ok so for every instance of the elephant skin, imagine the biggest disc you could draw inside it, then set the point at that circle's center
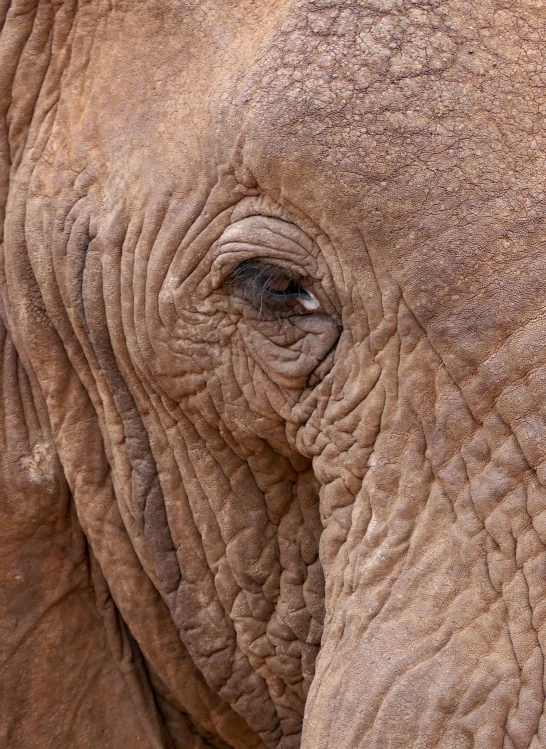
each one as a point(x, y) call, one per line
point(273, 374)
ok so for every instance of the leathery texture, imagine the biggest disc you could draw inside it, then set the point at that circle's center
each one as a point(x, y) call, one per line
point(244, 516)
point(437, 599)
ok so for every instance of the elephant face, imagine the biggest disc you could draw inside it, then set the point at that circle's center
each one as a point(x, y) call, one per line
point(279, 273)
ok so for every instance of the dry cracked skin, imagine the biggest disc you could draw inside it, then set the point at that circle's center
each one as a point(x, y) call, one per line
point(273, 374)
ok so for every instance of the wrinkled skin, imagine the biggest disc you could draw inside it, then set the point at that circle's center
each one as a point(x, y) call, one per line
point(226, 515)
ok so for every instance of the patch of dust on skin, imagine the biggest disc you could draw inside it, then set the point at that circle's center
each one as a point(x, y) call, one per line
point(39, 465)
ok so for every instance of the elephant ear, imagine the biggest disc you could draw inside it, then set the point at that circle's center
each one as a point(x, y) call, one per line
point(72, 672)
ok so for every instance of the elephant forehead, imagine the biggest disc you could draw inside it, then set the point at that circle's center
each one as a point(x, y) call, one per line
point(437, 102)
point(371, 86)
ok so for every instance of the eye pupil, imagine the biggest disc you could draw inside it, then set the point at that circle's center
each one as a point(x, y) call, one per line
point(279, 284)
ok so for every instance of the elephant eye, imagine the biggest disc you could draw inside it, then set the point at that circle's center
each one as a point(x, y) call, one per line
point(268, 286)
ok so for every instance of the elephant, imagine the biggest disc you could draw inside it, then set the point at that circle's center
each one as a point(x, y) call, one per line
point(273, 381)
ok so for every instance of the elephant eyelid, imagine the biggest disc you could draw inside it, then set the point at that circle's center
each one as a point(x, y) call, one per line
point(266, 285)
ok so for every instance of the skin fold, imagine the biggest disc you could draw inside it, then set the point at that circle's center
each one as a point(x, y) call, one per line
point(272, 324)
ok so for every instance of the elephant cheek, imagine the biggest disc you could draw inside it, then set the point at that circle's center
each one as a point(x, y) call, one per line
point(434, 568)
point(416, 651)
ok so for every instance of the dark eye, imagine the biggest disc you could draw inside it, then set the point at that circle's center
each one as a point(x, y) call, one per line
point(269, 286)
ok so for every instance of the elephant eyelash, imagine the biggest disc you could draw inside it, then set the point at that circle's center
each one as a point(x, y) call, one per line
point(267, 286)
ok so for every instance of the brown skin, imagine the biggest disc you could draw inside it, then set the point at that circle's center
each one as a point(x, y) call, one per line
point(196, 453)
